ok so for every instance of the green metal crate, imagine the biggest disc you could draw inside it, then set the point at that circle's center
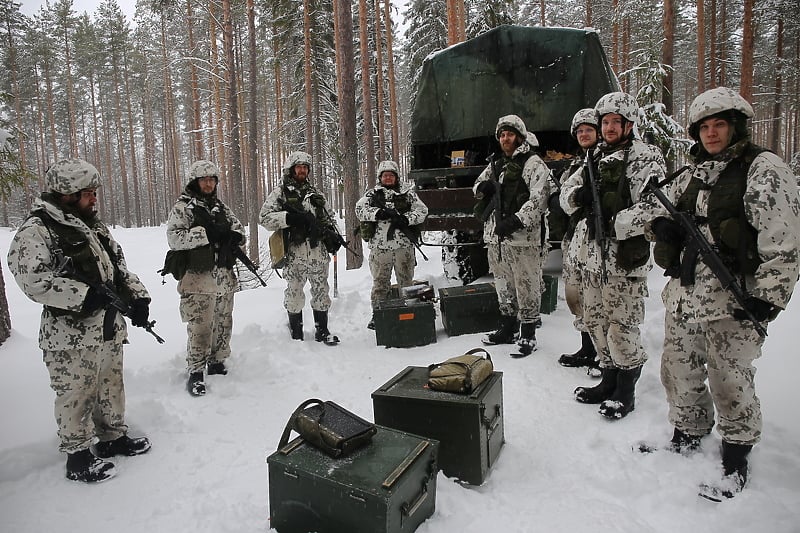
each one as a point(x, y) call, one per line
point(399, 324)
point(388, 486)
point(469, 427)
point(469, 308)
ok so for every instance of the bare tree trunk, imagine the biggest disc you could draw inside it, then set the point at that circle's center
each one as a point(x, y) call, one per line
point(123, 168)
point(542, 19)
point(615, 35)
point(668, 56)
point(307, 69)
point(701, 46)
point(366, 93)
point(252, 135)
point(235, 178)
point(723, 46)
point(5, 316)
point(380, 102)
point(132, 142)
point(746, 85)
point(393, 105)
point(588, 21)
point(217, 96)
point(712, 47)
point(198, 149)
point(347, 125)
point(71, 121)
point(775, 135)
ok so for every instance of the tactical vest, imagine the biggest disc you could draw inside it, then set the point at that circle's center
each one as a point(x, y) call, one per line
point(734, 237)
point(402, 204)
point(73, 245)
point(514, 192)
point(293, 198)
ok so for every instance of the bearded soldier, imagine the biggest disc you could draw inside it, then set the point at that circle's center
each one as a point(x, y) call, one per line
point(65, 258)
point(310, 236)
point(388, 213)
point(744, 200)
point(512, 195)
point(613, 251)
point(203, 231)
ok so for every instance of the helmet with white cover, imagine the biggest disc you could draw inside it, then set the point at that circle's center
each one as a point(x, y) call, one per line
point(715, 101)
point(296, 158)
point(514, 123)
point(583, 116)
point(618, 103)
point(69, 176)
point(202, 169)
point(388, 166)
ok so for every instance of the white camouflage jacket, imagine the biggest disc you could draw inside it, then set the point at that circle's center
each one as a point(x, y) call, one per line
point(772, 207)
point(365, 212)
point(644, 163)
point(537, 177)
point(33, 262)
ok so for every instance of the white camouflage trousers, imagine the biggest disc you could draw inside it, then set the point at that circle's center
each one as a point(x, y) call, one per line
point(209, 322)
point(90, 394)
point(572, 274)
point(723, 352)
point(381, 263)
point(304, 263)
point(612, 313)
point(518, 279)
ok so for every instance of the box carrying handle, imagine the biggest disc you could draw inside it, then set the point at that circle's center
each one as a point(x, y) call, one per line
point(491, 423)
point(404, 464)
point(408, 509)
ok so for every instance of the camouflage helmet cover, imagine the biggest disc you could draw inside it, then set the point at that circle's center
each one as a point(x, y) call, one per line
point(619, 103)
point(72, 175)
point(513, 122)
point(296, 158)
point(388, 166)
point(715, 101)
point(203, 169)
point(583, 116)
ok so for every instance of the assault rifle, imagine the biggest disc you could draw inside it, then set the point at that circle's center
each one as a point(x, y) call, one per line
point(597, 213)
point(708, 255)
point(321, 230)
point(66, 269)
point(496, 204)
point(204, 218)
point(379, 201)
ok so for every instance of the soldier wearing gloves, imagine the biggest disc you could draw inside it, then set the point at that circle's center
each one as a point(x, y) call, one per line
point(311, 235)
point(613, 250)
point(512, 195)
point(388, 213)
point(744, 200)
point(203, 231)
point(65, 258)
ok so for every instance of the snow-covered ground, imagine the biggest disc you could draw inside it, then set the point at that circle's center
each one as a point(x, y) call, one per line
point(563, 468)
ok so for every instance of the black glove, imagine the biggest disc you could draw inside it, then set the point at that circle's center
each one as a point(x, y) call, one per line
point(94, 301)
point(140, 312)
point(218, 233)
point(300, 220)
point(383, 214)
point(486, 188)
point(760, 309)
point(507, 226)
point(668, 231)
point(553, 202)
point(236, 238)
point(400, 221)
point(583, 196)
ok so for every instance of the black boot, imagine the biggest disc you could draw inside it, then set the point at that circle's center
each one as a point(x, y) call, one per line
point(622, 401)
point(196, 386)
point(124, 445)
point(217, 368)
point(683, 443)
point(322, 334)
point(84, 466)
point(585, 356)
point(527, 340)
point(600, 392)
point(296, 325)
point(507, 332)
point(734, 469)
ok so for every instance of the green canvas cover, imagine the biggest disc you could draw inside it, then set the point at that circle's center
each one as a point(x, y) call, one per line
point(544, 75)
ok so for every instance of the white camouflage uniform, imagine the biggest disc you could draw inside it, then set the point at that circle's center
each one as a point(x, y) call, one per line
point(206, 296)
point(702, 339)
point(613, 311)
point(395, 251)
point(85, 370)
point(516, 261)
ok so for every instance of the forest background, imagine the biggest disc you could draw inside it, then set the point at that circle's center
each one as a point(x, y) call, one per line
point(244, 82)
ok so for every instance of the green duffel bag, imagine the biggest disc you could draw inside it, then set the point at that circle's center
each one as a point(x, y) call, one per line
point(461, 374)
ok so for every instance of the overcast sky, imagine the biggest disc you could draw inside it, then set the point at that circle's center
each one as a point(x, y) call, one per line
point(29, 7)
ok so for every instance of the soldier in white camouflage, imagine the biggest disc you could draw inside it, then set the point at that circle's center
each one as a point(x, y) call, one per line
point(744, 200)
point(65, 258)
point(388, 213)
point(201, 232)
point(584, 129)
point(310, 235)
point(615, 256)
point(512, 195)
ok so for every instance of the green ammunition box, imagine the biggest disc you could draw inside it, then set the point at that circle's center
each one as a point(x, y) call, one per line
point(388, 486)
point(469, 309)
point(549, 294)
point(400, 324)
point(469, 427)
